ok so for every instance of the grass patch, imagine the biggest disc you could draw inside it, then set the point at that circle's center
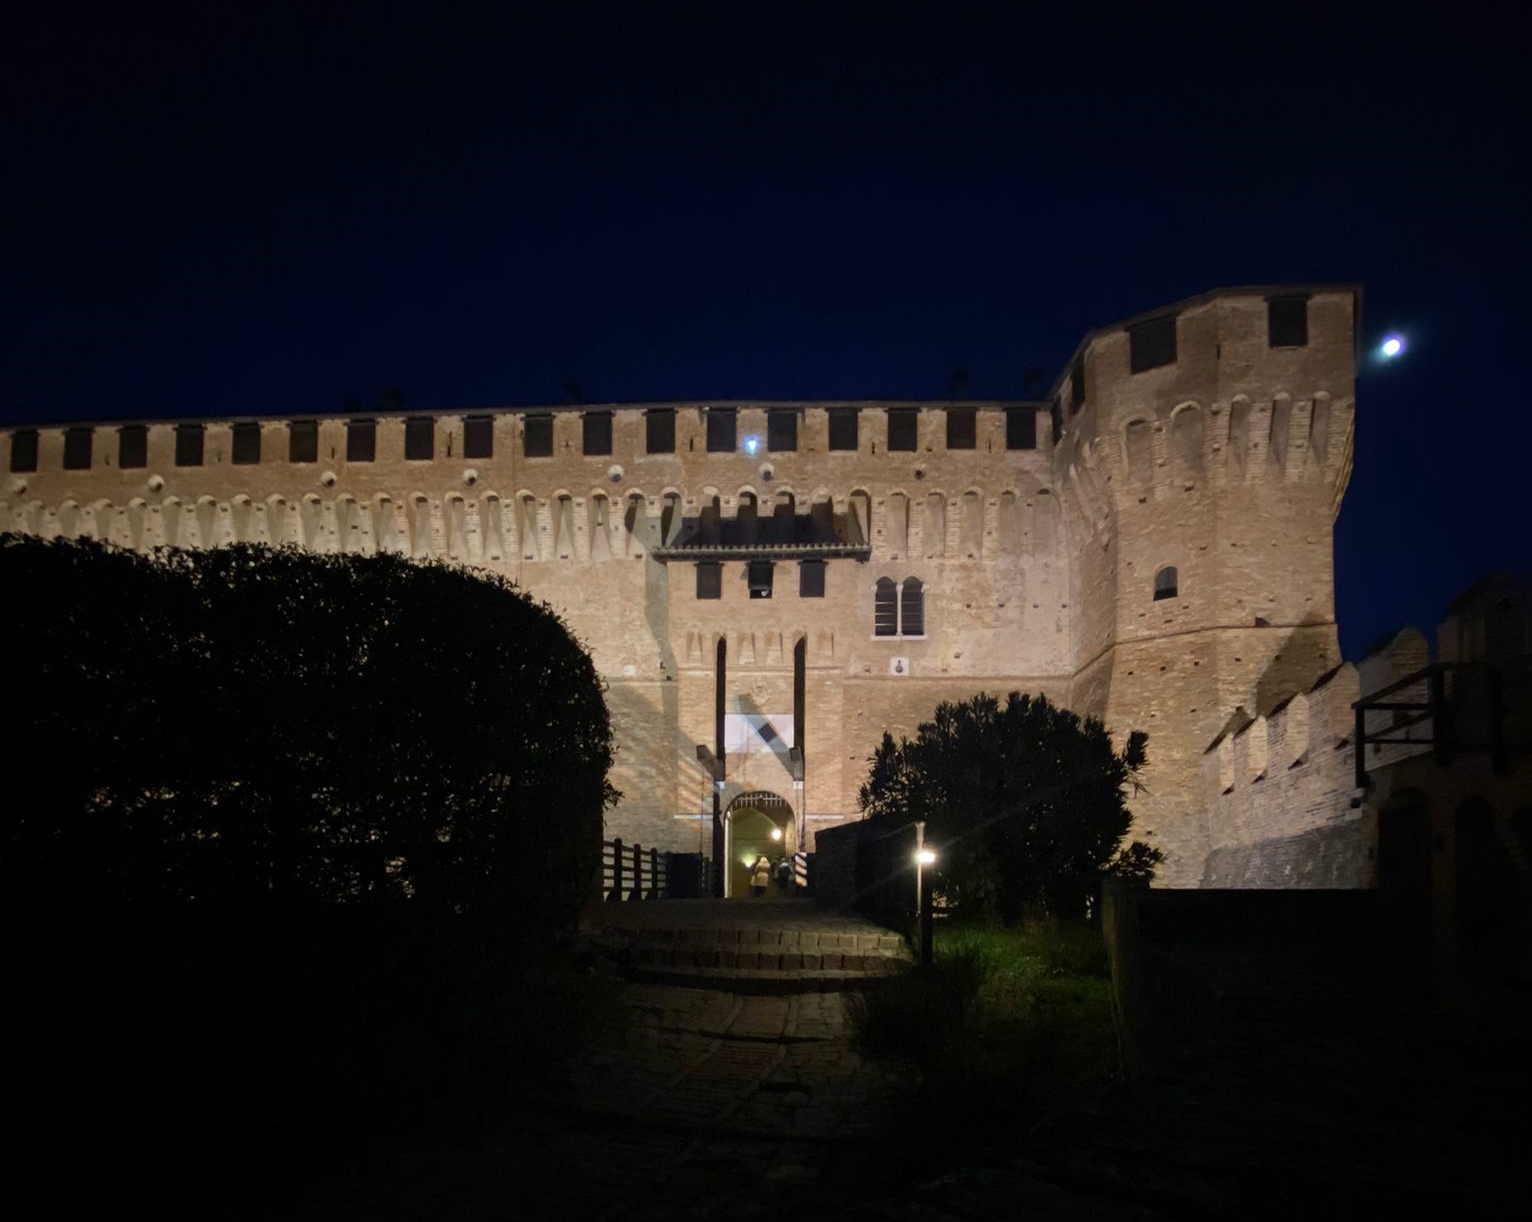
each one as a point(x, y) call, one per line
point(1004, 1028)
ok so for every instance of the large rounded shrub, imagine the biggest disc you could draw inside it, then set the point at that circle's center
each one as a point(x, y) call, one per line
point(256, 725)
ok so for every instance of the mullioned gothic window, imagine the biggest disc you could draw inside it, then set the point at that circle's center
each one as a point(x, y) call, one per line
point(899, 610)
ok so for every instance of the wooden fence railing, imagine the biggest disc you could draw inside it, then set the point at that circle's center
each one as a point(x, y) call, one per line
point(632, 872)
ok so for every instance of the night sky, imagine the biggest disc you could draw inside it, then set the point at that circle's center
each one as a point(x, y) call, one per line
point(208, 213)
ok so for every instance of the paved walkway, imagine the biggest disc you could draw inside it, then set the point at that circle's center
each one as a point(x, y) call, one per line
point(708, 1103)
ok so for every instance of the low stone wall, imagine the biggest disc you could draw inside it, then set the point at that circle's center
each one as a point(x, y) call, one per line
point(835, 865)
point(1172, 952)
point(1324, 857)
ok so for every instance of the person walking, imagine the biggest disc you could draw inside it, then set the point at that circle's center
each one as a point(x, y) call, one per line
point(760, 877)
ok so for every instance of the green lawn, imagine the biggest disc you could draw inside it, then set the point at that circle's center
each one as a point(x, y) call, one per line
point(1006, 1027)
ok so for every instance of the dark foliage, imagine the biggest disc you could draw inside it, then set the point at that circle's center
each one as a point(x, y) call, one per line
point(290, 847)
point(1023, 801)
point(256, 725)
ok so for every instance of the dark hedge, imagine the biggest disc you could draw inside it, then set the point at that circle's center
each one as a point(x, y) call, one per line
point(268, 725)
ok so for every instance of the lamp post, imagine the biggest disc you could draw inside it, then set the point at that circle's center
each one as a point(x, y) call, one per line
point(923, 857)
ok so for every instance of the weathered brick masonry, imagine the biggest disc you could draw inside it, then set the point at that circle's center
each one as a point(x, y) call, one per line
point(1212, 438)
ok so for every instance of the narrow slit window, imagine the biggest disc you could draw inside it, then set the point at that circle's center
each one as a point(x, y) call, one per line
point(189, 438)
point(722, 430)
point(537, 436)
point(760, 574)
point(303, 441)
point(247, 444)
point(596, 433)
point(361, 440)
point(132, 446)
point(77, 445)
point(1077, 384)
point(1287, 321)
point(24, 450)
point(479, 437)
point(903, 429)
point(843, 428)
point(1020, 428)
point(1152, 344)
point(420, 438)
point(782, 430)
point(660, 431)
point(1165, 583)
point(962, 428)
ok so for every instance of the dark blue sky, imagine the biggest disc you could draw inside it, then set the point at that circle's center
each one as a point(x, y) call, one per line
point(219, 214)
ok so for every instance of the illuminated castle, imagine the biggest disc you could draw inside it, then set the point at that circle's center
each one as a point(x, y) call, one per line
point(767, 587)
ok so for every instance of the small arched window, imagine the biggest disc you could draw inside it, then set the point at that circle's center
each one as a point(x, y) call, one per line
point(1165, 583)
point(912, 608)
point(885, 608)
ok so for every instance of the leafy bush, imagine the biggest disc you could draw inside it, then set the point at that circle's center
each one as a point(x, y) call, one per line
point(250, 725)
point(1024, 802)
point(1136, 863)
point(291, 845)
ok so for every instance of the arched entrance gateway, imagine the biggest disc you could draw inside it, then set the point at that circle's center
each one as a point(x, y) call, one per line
point(756, 824)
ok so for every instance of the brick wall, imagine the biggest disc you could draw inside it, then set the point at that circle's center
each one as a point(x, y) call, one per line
point(1038, 564)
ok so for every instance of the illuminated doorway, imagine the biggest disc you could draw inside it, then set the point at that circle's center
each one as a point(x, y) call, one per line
point(757, 825)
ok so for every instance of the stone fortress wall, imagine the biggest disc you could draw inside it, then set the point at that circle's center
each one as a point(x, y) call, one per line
point(1037, 532)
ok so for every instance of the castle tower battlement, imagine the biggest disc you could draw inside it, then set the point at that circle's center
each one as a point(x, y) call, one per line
point(851, 563)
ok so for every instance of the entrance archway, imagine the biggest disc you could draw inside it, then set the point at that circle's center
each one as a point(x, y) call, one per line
point(755, 825)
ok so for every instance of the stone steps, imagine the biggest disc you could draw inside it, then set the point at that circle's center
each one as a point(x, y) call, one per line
point(768, 983)
point(751, 948)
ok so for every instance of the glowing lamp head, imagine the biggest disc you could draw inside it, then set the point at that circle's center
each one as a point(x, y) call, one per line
point(1391, 347)
point(776, 833)
point(752, 444)
point(926, 857)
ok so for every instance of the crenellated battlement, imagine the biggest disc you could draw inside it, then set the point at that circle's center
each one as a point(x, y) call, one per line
point(1152, 545)
point(1216, 404)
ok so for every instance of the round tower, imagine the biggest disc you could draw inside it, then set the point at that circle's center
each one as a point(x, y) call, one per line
point(1202, 452)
